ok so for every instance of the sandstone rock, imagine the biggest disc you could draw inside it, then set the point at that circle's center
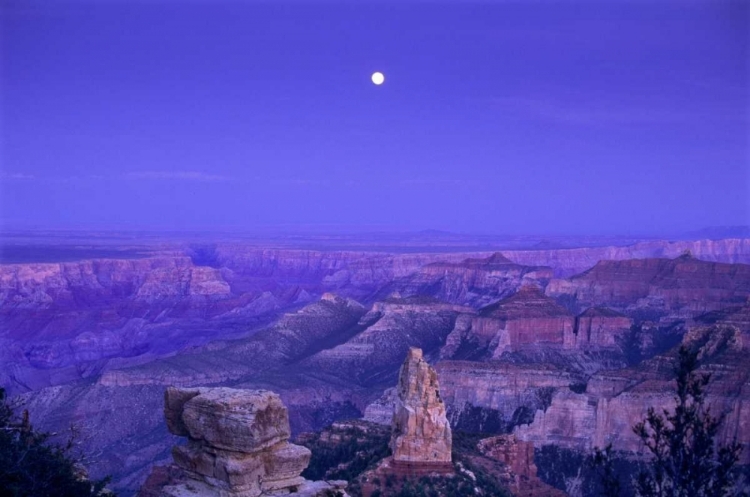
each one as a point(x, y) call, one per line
point(526, 319)
point(475, 282)
point(600, 327)
point(231, 471)
point(237, 446)
point(567, 262)
point(43, 307)
point(307, 488)
point(237, 420)
point(381, 410)
point(491, 396)
point(283, 465)
point(517, 455)
point(614, 401)
point(683, 286)
point(174, 402)
point(389, 330)
point(160, 477)
point(712, 340)
point(421, 433)
point(518, 458)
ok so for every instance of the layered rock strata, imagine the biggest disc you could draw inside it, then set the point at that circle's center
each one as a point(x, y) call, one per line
point(238, 445)
point(421, 436)
point(475, 281)
point(600, 328)
point(614, 401)
point(526, 319)
point(492, 397)
point(680, 287)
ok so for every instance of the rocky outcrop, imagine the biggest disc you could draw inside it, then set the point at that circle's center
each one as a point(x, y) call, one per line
point(421, 433)
point(517, 457)
point(600, 328)
point(294, 336)
point(682, 287)
point(381, 410)
point(493, 397)
point(474, 282)
point(96, 320)
point(614, 401)
point(567, 262)
point(387, 331)
point(60, 322)
point(526, 319)
point(238, 445)
point(421, 440)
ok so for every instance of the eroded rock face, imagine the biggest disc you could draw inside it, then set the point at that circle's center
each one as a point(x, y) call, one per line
point(517, 457)
point(600, 327)
point(567, 262)
point(237, 445)
point(421, 433)
point(680, 287)
point(390, 329)
point(381, 410)
point(237, 420)
point(492, 396)
point(527, 319)
point(614, 401)
point(475, 281)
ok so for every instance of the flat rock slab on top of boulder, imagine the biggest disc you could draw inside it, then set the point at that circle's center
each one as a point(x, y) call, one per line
point(235, 420)
point(237, 446)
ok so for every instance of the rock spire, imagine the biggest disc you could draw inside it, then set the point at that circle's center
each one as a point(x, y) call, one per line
point(421, 432)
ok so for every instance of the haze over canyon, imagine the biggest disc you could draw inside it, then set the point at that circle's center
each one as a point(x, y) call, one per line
point(559, 346)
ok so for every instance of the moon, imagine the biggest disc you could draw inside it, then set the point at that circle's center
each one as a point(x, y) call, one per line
point(378, 78)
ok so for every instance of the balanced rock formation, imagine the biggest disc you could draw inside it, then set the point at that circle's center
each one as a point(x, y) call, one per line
point(237, 445)
point(421, 436)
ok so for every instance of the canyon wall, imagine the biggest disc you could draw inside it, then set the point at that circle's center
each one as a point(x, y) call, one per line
point(614, 401)
point(680, 287)
point(568, 262)
point(510, 345)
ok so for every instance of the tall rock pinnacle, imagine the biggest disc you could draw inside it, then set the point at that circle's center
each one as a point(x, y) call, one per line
point(421, 432)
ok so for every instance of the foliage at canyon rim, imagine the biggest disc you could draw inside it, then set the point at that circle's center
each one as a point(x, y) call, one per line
point(684, 458)
point(33, 466)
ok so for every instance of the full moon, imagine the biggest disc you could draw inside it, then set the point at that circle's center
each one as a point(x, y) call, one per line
point(378, 78)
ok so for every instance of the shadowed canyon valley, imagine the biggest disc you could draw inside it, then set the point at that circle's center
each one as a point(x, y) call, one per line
point(566, 347)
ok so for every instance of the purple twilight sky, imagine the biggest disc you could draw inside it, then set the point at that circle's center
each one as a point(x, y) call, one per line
point(495, 117)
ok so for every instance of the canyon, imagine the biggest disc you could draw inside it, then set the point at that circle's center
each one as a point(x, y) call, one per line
point(559, 346)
